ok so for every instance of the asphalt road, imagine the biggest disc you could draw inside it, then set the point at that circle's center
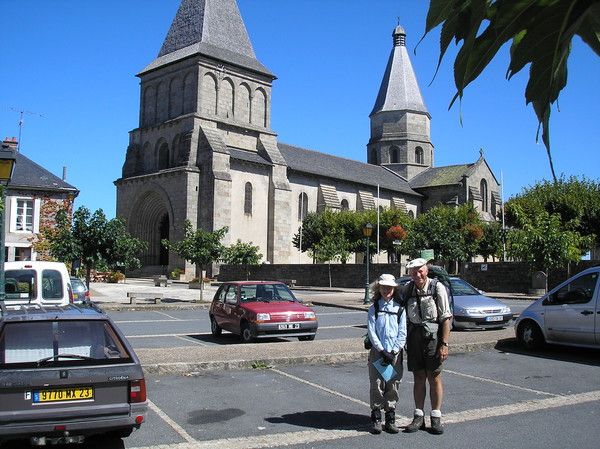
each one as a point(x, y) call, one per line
point(494, 399)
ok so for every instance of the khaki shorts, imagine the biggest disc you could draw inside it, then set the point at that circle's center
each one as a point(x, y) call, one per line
point(421, 354)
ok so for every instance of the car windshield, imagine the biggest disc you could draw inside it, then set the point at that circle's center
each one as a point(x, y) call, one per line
point(462, 288)
point(60, 342)
point(266, 293)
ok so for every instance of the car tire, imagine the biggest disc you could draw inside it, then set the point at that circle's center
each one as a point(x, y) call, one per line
point(215, 329)
point(246, 333)
point(306, 338)
point(530, 336)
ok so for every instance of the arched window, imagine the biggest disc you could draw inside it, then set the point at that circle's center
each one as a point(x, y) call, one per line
point(419, 158)
point(394, 155)
point(484, 195)
point(411, 214)
point(248, 199)
point(345, 205)
point(302, 206)
point(163, 156)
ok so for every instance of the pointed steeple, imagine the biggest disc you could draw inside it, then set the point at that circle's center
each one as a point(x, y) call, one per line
point(399, 89)
point(213, 28)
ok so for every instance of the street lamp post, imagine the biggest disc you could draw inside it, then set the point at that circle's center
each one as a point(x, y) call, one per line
point(367, 231)
point(7, 167)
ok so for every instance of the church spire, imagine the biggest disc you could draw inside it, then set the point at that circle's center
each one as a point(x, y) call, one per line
point(399, 89)
point(212, 28)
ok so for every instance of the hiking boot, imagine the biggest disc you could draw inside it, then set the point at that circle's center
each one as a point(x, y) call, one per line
point(417, 423)
point(376, 420)
point(436, 426)
point(390, 422)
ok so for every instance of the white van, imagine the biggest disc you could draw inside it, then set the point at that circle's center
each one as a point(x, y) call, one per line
point(567, 315)
point(32, 282)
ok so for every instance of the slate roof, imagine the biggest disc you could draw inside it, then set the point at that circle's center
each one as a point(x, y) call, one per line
point(328, 166)
point(440, 176)
point(212, 28)
point(29, 175)
point(399, 88)
point(247, 156)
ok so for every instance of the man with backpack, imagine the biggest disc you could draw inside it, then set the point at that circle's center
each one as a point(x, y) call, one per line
point(428, 317)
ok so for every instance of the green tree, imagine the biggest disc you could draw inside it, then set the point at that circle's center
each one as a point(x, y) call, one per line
point(93, 240)
point(541, 32)
point(542, 242)
point(241, 254)
point(452, 232)
point(331, 248)
point(575, 200)
point(491, 244)
point(199, 247)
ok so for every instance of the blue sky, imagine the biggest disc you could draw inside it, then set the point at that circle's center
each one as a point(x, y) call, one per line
point(72, 64)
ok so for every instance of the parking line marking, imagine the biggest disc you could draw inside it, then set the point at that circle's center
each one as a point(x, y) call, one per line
point(178, 320)
point(319, 435)
point(485, 379)
point(320, 387)
point(164, 335)
point(167, 315)
point(176, 427)
point(188, 339)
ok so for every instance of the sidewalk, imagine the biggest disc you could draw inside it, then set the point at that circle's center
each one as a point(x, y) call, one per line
point(198, 358)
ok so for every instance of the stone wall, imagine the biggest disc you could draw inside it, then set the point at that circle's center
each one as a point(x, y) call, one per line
point(504, 277)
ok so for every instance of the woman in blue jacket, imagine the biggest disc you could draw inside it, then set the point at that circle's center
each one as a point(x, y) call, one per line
point(387, 332)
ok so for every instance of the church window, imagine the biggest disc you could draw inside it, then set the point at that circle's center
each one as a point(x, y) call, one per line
point(243, 104)
point(189, 93)
point(419, 158)
point(209, 94)
point(345, 205)
point(484, 195)
point(411, 214)
point(162, 102)
point(302, 206)
point(163, 156)
point(226, 98)
point(394, 155)
point(248, 199)
point(175, 98)
point(259, 108)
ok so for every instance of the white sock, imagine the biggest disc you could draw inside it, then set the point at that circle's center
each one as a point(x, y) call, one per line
point(419, 412)
point(436, 413)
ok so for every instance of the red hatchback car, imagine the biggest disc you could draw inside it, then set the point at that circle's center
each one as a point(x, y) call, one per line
point(261, 309)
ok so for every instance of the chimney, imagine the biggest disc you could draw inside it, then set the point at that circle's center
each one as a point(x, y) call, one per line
point(64, 177)
point(10, 143)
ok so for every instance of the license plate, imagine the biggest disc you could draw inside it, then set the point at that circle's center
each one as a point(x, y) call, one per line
point(289, 326)
point(494, 318)
point(63, 395)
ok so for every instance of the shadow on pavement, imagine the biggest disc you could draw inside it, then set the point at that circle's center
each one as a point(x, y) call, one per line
point(584, 356)
point(318, 419)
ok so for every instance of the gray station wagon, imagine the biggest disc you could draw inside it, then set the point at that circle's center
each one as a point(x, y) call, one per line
point(66, 373)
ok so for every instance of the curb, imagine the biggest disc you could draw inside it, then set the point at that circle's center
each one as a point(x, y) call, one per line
point(192, 368)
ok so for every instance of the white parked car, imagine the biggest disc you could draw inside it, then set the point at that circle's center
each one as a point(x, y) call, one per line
point(33, 282)
point(567, 315)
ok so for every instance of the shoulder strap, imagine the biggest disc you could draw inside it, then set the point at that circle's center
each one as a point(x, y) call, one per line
point(376, 305)
point(432, 290)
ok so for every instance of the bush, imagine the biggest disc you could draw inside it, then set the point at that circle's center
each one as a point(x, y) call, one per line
point(115, 276)
point(176, 273)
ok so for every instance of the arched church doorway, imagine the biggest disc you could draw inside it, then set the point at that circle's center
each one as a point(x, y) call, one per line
point(163, 230)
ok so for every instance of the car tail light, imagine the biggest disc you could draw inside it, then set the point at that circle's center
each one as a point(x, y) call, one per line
point(137, 391)
point(87, 295)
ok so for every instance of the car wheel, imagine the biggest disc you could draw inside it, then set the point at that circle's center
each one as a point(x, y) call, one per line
point(247, 334)
point(530, 335)
point(306, 338)
point(214, 327)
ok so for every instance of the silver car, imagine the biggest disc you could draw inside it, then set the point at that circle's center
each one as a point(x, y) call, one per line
point(66, 373)
point(475, 310)
point(568, 315)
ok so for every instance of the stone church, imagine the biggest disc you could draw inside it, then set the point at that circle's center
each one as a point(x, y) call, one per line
point(204, 150)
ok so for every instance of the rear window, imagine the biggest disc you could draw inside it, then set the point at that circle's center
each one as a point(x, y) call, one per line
point(58, 343)
point(20, 284)
point(78, 285)
point(52, 286)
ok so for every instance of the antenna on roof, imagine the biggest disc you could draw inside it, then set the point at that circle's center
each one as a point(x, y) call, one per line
point(21, 120)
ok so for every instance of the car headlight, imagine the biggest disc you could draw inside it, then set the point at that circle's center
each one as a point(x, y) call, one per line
point(309, 315)
point(263, 317)
point(471, 311)
point(505, 309)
